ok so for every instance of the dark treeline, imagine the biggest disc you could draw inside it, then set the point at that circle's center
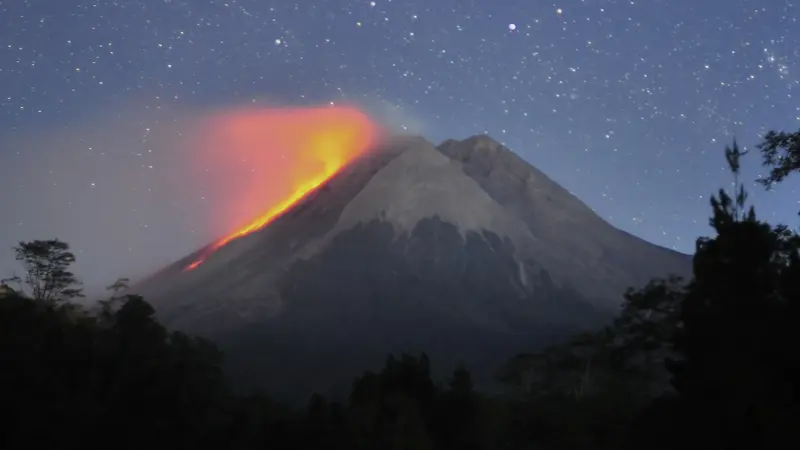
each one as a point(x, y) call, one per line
point(711, 361)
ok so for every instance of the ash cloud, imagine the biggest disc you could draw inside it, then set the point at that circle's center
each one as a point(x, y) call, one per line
point(127, 187)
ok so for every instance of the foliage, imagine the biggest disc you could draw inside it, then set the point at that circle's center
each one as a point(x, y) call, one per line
point(586, 392)
point(725, 339)
point(116, 375)
point(46, 264)
point(737, 363)
point(781, 154)
point(72, 382)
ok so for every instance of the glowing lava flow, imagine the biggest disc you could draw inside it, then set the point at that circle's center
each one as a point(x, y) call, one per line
point(318, 142)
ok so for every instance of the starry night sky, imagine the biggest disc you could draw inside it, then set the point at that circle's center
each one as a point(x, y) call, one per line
point(627, 103)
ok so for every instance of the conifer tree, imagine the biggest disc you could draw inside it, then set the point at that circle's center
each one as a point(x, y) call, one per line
point(733, 354)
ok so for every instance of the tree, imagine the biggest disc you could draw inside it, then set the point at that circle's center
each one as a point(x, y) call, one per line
point(462, 421)
point(106, 308)
point(12, 279)
point(781, 153)
point(626, 357)
point(392, 409)
point(734, 339)
point(649, 316)
point(76, 384)
point(46, 264)
point(118, 286)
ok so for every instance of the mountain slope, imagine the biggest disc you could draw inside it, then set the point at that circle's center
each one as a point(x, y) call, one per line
point(465, 251)
point(580, 242)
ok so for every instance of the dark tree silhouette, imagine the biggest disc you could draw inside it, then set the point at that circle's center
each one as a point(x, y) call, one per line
point(118, 286)
point(781, 154)
point(736, 362)
point(47, 274)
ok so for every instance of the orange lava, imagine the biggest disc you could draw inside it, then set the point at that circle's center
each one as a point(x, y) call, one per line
point(286, 153)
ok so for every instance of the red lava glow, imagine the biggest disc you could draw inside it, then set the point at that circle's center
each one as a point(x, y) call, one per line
point(280, 155)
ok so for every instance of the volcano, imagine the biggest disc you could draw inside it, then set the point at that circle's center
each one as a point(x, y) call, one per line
point(462, 250)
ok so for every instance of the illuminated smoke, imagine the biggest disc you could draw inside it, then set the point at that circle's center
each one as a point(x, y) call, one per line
point(275, 157)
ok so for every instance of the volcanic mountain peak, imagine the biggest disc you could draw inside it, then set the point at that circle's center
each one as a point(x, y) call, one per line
point(512, 179)
point(421, 183)
point(463, 250)
point(482, 154)
point(477, 186)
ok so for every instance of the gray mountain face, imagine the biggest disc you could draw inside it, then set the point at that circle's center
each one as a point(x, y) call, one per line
point(464, 251)
point(589, 252)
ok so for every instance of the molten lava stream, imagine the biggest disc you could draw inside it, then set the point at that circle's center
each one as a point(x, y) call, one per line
point(319, 142)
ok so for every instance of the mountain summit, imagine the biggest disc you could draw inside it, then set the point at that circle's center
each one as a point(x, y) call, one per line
point(464, 250)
